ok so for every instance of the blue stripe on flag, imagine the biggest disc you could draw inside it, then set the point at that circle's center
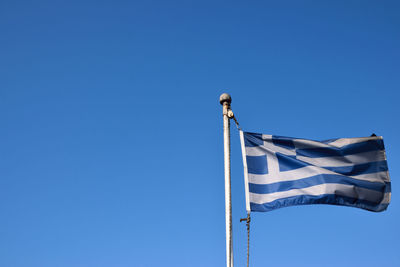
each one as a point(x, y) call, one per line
point(319, 152)
point(321, 199)
point(288, 163)
point(371, 167)
point(316, 180)
point(252, 139)
point(257, 164)
point(285, 142)
point(388, 188)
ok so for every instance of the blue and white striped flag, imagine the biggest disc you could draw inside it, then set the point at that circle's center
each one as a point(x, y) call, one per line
point(284, 171)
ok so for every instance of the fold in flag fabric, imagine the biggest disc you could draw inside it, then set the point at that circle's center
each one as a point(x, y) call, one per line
point(284, 171)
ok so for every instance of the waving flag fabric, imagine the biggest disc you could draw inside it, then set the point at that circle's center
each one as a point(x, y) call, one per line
point(284, 171)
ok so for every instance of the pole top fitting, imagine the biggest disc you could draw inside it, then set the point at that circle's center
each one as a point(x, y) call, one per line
point(225, 98)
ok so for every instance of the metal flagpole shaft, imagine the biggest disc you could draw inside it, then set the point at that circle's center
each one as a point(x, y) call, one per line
point(225, 100)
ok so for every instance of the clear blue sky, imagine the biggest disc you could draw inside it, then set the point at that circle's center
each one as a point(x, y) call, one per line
point(111, 150)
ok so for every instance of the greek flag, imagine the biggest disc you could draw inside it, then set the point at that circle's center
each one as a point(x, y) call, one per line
point(284, 171)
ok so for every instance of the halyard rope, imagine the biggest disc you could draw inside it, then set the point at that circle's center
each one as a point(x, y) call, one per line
point(248, 219)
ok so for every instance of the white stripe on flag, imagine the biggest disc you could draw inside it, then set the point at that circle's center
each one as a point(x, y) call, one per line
point(386, 198)
point(309, 171)
point(255, 151)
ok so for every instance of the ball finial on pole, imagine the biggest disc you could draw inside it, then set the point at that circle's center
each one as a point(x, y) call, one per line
point(225, 98)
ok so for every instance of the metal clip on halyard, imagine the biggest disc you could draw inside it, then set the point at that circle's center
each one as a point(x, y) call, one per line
point(232, 116)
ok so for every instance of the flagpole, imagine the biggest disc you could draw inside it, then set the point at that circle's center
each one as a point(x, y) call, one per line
point(225, 100)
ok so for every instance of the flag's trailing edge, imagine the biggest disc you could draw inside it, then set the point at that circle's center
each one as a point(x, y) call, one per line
point(284, 171)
